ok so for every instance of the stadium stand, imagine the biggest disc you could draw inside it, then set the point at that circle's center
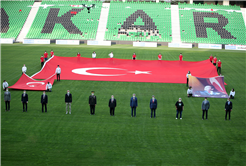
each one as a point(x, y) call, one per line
point(13, 17)
point(211, 24)
point(65, 21)
point(139, 21)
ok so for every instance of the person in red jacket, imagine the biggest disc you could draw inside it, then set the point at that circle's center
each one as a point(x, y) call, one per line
point(42, 60)
point(180, 57)
point(78, 55)
point(51, 53)
point(159, 56)
point(219, 67)
point(134, 56)
point(46, 56)
point(211, 58)
point(214, 61)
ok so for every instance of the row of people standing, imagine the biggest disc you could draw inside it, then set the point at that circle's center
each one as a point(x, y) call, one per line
point(214, 61)
point(45, 57)
point(93, 55)
point(112, 104)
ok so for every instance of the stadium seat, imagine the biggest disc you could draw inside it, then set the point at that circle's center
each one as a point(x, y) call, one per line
point(139, 21)
point(194, 21)
point(84, 25)
point(13, 17)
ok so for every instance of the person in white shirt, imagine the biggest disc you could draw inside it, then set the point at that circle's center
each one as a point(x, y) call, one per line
point(189, 92)
point(24, 68)
point(111, 55)
point(232, 94)
point(48, 87)
point(5, 85)
point(58, 73)
point(94, 54)
point(187, 76)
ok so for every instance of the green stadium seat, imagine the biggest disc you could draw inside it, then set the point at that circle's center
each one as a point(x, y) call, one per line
point(235, 25)
point(13, 21)
point(85, 22)
point(120, 14)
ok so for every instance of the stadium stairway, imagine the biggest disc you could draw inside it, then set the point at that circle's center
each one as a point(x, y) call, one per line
point(175, 24)
point(102, 22)
point(244, 14)
point(28, 22)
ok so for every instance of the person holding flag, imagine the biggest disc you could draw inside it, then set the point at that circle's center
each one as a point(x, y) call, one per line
point(42, 60)
point(159, 56)
point(214, 60)
point(51, 53)
point(211, 58)
point(219, 67)
point(180, 57)
point(46, 56)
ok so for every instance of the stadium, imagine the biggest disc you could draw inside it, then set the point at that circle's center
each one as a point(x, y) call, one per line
point(121, 48)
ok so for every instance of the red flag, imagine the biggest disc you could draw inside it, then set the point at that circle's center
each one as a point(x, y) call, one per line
point(126, 70)
point(27, 83)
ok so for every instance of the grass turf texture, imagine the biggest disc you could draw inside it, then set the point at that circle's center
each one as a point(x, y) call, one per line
point(54, 138)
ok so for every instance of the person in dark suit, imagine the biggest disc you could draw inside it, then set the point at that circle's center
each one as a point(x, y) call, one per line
point(112, 105)
point(68, 101)
point(228, 108)
point(153, 106)
point(133, 104)
point(179, 108)
point(92, 102)
point(205, 107)
point(44, 101)
point(7, 99)
point(24, 100)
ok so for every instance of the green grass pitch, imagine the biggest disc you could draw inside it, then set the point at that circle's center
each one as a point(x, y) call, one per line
point(54, 138)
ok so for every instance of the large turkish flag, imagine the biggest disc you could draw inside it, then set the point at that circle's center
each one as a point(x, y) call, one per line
point(27, 83)
point(112, 69)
